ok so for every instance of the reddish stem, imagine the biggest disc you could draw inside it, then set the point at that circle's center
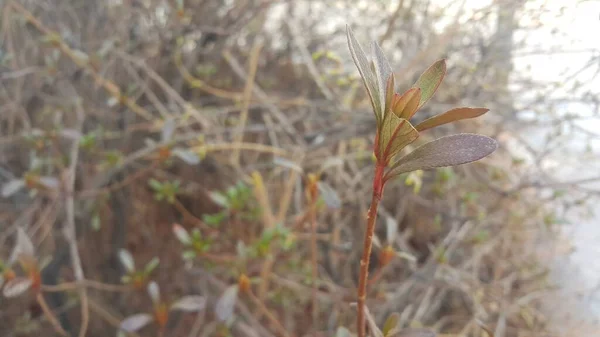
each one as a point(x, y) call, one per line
point(378, 183)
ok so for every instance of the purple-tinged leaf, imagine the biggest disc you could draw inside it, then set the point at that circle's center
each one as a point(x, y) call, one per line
point(190, 304)
point(16, 287)
point(182, 235)
point(127, 260)
point(135, 322)
point(12, 187)
point(395, 134)
point(430, 80)
point(406, 105)
point(450, 116)
point(23, 247)
point(446, 151)
point(383, 72)
point(226, 303)
point(364, 68)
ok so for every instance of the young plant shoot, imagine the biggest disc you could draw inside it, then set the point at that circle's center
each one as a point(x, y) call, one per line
point(394, 132)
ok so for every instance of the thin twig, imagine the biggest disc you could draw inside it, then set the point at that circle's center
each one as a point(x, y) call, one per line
point(264, 98)
point(280, 328)
point(50, 316)
point(252, 66)
point(108, 85)
point(69, 229)
point(86, 283)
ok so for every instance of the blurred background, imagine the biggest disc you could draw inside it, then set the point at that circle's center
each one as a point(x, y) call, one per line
point(171, 143)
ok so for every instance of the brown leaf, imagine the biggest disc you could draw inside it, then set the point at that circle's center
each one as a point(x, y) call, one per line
point(450, 116)
point(406, 105)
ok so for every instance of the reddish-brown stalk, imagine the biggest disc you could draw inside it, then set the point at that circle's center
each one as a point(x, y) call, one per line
point(367, 245)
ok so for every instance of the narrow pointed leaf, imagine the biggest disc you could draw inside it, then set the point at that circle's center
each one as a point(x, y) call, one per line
point(395, 134)
point(383, 72)
point(49, 182)
point(430, 80)
point(16, 287)
point(450, 116)
point(154, 292)
point(226, 303)
point(135, 322)
point(182, 235)
point(12, 187)
point(190, 303)
point(364, 68)
point(391, 227)
point(390, 94)
point(446, 151)
point(390, 324)
point(330, 196)
point(151, 265)
point(407, 104)
point(127, 260)
point(187, 156)
point(23, 246)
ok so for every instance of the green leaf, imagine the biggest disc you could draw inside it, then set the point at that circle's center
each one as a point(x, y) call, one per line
point(364, 68)
point(151, 265)
point(430, 80)
point(450, 116)
point(155, 184)
point(390, 324)
point(446, 151)
point(406, 105)
point(396, 133)
point(95, 222)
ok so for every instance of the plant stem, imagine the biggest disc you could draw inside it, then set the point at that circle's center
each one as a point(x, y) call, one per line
point(367, 245)
point(314, 257)
point(274, 320)
point(50, 316)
